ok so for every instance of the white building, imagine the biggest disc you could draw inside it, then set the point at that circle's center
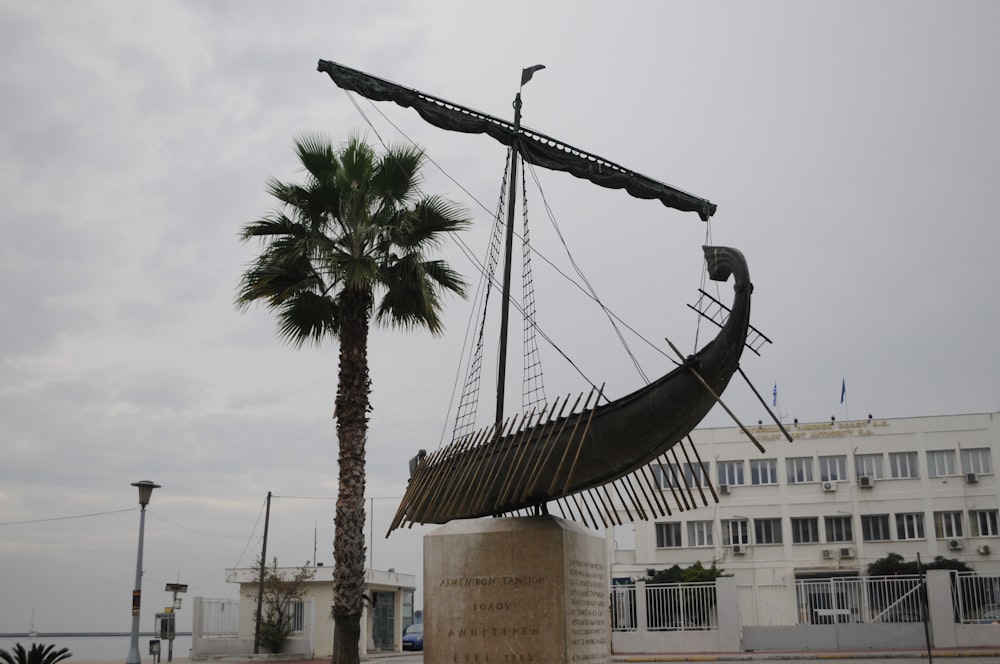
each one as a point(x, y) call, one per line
point(842, 495)
point(797, 525)
point(225, 627)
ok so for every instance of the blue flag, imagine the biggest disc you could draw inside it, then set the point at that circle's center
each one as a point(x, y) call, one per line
point(843, 390)
point(775, 400)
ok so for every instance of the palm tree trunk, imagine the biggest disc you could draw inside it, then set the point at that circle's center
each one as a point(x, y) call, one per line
point(352, 430)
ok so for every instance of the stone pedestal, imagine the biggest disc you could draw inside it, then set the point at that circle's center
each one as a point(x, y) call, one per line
point(521, 589)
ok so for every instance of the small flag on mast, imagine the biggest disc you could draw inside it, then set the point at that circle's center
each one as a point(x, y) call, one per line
point(843, 389)
point(528, 72)
point(774, 401)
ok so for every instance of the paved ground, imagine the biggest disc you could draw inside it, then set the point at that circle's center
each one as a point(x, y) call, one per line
point(974, 656)
point(969, 655)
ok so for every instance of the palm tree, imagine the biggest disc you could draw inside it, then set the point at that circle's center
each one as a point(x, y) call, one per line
point(356, 229)
point(39, 654)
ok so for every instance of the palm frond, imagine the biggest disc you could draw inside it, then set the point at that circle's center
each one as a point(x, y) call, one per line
point(39, 654)
point(317, 156)
point(427, 222)
point(274, 282)
point(412, 295)
point(396, 176)
point(308, 317)
point(446, 279)
point(270, 227)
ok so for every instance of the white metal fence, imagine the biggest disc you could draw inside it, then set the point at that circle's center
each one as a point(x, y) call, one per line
point(681, 606)
point(220, 618)
point(889, 599)
point(668, 607)
point(976, 598)
point(623, 610)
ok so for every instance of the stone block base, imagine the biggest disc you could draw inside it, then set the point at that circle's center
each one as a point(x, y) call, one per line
point(520, 589)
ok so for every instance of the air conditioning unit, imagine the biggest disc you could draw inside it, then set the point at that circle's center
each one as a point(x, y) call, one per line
point(739, 549)
point(866, 481)
point(971, 478)
point(846, 552)
point(955, 544)
point(827, 554)
point(829, 487)
point(724, 489)
point(983, 549)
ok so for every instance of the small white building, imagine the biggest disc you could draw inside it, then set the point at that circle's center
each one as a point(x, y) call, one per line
point(223, 628)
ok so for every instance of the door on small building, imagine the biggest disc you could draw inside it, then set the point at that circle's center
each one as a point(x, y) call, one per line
point(383, 617)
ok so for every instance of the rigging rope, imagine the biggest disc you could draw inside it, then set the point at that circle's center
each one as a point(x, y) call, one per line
point(590, 289)
point(465, 415)
point(532, 387)
point(704, 282)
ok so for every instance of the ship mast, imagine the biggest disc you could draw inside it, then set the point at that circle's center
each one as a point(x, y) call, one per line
point(508, 250)
point(526, 75)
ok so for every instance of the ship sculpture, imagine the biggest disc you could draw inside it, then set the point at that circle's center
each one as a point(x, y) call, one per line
point(596, 460)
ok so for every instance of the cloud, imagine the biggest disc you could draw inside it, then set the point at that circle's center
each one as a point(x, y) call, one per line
point(853, 155)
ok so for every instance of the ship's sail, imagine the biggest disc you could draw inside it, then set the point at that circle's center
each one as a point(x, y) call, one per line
point(534, 147)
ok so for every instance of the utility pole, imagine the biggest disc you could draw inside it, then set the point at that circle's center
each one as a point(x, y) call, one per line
point(260, 582)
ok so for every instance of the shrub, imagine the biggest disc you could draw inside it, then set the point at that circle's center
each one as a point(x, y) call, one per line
point(39, 654)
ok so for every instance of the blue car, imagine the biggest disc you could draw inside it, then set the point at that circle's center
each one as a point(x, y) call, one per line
point(413, 637)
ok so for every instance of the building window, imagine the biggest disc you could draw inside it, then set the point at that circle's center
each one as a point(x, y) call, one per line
point(667, 475)
point(298, 617)
point(735, 531)
point(700, 533)
point(764, 471)
point(767, 531)
point(833, 468)
point(731, 473)
point(800, 469)
point(903, 465)
point(947, 524)
point(910, 526)
point(805, 530)
point(871, 465)
point(668, 535)
point(983, 523)
point(940, 463)
point(838, 529)
point(694, 475)
point(977, 460)
point(875, 528)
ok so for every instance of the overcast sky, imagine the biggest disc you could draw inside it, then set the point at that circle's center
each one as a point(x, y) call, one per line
point(853, 150)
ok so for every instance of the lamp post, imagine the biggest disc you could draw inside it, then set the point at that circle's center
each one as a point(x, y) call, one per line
point(145, 491)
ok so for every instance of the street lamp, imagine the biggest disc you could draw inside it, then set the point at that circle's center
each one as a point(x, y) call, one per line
point(145, 491)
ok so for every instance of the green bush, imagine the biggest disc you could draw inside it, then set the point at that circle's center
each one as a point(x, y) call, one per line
point(39, 654)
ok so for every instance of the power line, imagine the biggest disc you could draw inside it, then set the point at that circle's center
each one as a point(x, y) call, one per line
point(193, 530)
point(64, 518)
point(250, 538)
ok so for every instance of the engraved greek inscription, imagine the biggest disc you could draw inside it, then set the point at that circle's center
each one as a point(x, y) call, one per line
point(468, 582)
point(484, 632)
point(491, 606)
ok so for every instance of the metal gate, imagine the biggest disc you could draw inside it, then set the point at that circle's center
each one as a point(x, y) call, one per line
point(383, 615)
